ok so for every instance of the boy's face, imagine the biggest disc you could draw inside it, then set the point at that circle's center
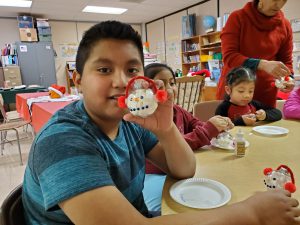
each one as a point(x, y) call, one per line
point(111, 64)
point(242, 93)
point(168, 79)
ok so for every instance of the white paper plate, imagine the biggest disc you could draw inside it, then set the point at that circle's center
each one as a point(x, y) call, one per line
point(200, 193)
point(270, 130)
point(214, 143)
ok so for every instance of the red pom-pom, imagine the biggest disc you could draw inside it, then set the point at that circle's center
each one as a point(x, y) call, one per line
point(290, 187)
point(121, 102)
point(273, 84)
point(267, 171)
point(161, 95)
point(286, 78)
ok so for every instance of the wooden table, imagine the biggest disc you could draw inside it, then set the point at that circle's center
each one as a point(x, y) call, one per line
point(244, 176)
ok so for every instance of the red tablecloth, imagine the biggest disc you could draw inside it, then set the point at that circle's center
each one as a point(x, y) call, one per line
point(41, 112)
point(21, 103)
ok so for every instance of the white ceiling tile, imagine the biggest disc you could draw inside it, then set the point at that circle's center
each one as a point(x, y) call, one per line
point(72, 9)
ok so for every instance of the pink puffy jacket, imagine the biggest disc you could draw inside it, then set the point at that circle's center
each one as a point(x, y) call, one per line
point(291, 109)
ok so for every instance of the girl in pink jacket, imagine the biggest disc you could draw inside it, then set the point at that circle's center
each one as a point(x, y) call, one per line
point(291, 108)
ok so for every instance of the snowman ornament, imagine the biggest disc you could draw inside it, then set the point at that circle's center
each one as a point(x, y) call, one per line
point(281, 178)
point(142, 96)
point(281, 83)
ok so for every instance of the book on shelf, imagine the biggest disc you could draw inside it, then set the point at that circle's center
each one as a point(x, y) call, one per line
point(188, 25)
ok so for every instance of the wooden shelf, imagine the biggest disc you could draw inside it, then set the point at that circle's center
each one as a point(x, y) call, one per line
point(191, 63)
point(70, 67)
point(194, 47)
point(191, 52)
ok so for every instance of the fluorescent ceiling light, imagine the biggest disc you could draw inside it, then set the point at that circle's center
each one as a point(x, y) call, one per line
point(15, 3)
point(106, 10)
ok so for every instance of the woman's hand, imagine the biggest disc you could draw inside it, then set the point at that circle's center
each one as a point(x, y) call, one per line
point(289, 86)
point(275, 68)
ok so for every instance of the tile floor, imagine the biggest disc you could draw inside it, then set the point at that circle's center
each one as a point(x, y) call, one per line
point(11, 172)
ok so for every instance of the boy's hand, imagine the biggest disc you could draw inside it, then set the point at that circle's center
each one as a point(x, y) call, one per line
point(260, 114)
point(249, 119)
point(221, 123)
point(273, 207)
point(162, 119)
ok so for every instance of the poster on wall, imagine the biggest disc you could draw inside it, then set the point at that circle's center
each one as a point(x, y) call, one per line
point(173, 53)
point(68, 50)
point(295, 23)
point(160, 51)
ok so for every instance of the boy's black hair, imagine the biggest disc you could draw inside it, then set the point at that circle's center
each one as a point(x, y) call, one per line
point(105, 30)
point(239, 75)
point(153, 69)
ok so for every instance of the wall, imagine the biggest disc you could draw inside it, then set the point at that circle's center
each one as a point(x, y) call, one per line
point(161, 36)
point(65, 37)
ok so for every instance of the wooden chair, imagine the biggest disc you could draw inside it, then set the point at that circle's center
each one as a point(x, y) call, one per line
point(189, 90)
point(205, 110)
point(11, 125)
point(12, 208)
point(11, 115)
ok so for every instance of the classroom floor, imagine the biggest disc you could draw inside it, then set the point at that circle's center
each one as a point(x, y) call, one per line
point(11, 172)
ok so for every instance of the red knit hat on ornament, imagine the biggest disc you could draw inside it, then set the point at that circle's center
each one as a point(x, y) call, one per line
point(60, 90)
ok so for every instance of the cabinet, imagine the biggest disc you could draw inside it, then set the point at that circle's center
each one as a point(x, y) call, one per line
point(1, 77)
point(70, 67)
point(198, 50)
point(12, 75)
point(36, 61)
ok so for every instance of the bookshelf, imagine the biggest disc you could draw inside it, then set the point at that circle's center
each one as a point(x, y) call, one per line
point(70, 67)
point(9, 55)
point(210, 48)
point(190, 54)
point(196, 51)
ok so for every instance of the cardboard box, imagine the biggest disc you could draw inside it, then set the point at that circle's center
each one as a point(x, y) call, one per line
point(42, 22)
point(45, 38)
point(25, 21)
point(28, 34)
point(44, 30)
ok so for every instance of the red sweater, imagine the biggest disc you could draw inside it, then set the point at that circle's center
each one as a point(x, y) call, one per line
point(250, 34)
point(195, 132)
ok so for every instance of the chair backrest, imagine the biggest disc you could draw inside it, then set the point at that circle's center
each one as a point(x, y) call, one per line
point(205, 110)
point(280, 104)
point(3, 112)
point(189, 90)
point(12, 208)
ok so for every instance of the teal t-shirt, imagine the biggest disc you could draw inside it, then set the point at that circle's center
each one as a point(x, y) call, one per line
point(71, 155)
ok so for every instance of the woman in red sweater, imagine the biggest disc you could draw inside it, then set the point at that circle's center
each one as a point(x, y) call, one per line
point(259, 37)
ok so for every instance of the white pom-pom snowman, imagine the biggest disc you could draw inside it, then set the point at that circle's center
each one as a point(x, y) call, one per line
point(142, 101)
point(281, 178)
point(281, 83)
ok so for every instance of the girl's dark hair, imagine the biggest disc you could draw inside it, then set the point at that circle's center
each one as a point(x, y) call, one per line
point(106, 30)
point(255, 2)
point(239, 75)
point(153, 69)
